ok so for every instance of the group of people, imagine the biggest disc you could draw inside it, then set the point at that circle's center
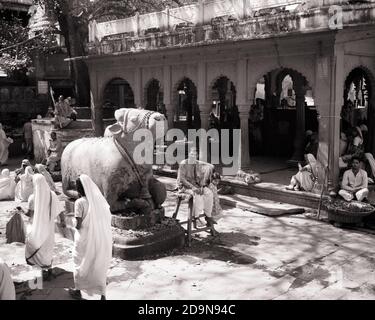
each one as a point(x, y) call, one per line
point(92, 251)
point(352, 161)
point(19, 187)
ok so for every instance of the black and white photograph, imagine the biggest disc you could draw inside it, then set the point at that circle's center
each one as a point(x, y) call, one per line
point(206, 151)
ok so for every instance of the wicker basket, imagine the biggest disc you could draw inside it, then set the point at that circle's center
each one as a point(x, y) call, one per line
point(342, 215)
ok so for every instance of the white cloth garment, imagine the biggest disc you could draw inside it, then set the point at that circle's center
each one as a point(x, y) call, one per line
point(92, 252)
point(42, 170)
point(371, 161)
point(354, 185)
point(359, 195)
point(4, 146)
point(203, 204)
point(7, 290)
point(7, 186)
point(24, 188)
point(41, 239)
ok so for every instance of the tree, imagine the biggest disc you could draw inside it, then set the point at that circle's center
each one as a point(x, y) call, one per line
point(16, 49)
point(73, 17)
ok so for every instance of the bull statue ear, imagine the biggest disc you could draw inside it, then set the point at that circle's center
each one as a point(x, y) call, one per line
point(115, 129)
point(119, 114)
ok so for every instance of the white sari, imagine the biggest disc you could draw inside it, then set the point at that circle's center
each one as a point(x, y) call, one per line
point(42, 170)
point(24, 188)
point(93, 242)
point(7, 290)
point(7, 186)
point(41, 239)
point(4, 145)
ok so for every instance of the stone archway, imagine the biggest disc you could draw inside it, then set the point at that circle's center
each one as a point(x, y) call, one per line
point(154, 95)
point(186, 115)
point(283, 110)
point(359, 107)
point(118, 94)
point(224, 113)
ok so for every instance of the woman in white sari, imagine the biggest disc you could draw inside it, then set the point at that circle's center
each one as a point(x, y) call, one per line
point(42, 170)
point(7, 186)
point(306, 177)
point(24, 188)
point(4, 146)
point(92, 241)
point(7, 289)
point(41, 238)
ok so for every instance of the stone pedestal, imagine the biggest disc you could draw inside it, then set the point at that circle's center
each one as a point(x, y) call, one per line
point(136, 237)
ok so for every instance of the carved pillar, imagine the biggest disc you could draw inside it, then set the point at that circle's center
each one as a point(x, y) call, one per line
point(138, 89)
point(167, 96)
point(244, 113)
point(299, 140)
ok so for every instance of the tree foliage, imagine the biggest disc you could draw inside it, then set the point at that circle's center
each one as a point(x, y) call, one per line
point(16, 49)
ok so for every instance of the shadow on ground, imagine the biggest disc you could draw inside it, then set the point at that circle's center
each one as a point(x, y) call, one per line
point(54, 289)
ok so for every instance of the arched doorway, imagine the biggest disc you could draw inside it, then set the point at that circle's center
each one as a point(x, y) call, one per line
point(224, 113)
point(282, 112)
point(118, 94)
point(273, 116)
point(186, 111)
point(154, 96)
point(358, 109)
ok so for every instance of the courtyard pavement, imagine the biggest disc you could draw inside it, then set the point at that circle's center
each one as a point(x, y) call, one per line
point(255, 257)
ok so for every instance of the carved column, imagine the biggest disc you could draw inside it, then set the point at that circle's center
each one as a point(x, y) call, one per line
point(138, 89)
point(299, 140)
point(244, 113)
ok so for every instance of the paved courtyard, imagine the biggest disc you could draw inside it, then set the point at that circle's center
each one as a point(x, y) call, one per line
point(255, 257)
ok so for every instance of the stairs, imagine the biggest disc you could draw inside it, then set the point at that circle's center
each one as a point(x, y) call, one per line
point(267, 191)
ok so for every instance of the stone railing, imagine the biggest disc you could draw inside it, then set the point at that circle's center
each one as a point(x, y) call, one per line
point(259, 26)
point(196, 14)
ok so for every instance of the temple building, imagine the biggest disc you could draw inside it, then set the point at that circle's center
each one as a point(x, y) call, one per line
point(273, 68)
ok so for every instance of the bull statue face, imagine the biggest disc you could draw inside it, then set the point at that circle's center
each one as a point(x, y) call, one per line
point(130, 120)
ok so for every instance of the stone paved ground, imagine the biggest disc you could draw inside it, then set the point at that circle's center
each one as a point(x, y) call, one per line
point(255, 257)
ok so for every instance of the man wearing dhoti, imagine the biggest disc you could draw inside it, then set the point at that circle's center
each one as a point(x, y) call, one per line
point(354, 183)
point(194, 178)
point(92, 252)
point(7, 290)
point(40, 240)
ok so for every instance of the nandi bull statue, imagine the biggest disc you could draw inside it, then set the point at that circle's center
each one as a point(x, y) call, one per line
point(109, 162)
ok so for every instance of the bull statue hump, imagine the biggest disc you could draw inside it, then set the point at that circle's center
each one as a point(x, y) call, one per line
point(108, 161)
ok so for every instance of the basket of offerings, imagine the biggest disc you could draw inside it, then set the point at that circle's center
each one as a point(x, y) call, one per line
point(347, 212)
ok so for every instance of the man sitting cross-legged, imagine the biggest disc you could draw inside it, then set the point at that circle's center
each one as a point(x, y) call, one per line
point(194, 178)
point(354, 183)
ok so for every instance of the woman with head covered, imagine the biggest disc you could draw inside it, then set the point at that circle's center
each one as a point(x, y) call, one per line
point(93, 240)
point(40, 240)
point(7, 186)
point(24, 188)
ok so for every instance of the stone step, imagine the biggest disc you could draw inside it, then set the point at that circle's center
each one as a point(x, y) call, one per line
point(267, 191)
point(127, 246)
point(83, 112)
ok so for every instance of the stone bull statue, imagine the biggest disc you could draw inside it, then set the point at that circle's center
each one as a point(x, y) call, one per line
point(109, 162)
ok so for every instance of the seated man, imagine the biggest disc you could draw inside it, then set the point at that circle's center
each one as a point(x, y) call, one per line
point(54, 152)
point(194, 178)
point(355, 182)
point(64, 113)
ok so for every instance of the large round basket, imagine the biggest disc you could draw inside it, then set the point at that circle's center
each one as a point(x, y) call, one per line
point(345, 212)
